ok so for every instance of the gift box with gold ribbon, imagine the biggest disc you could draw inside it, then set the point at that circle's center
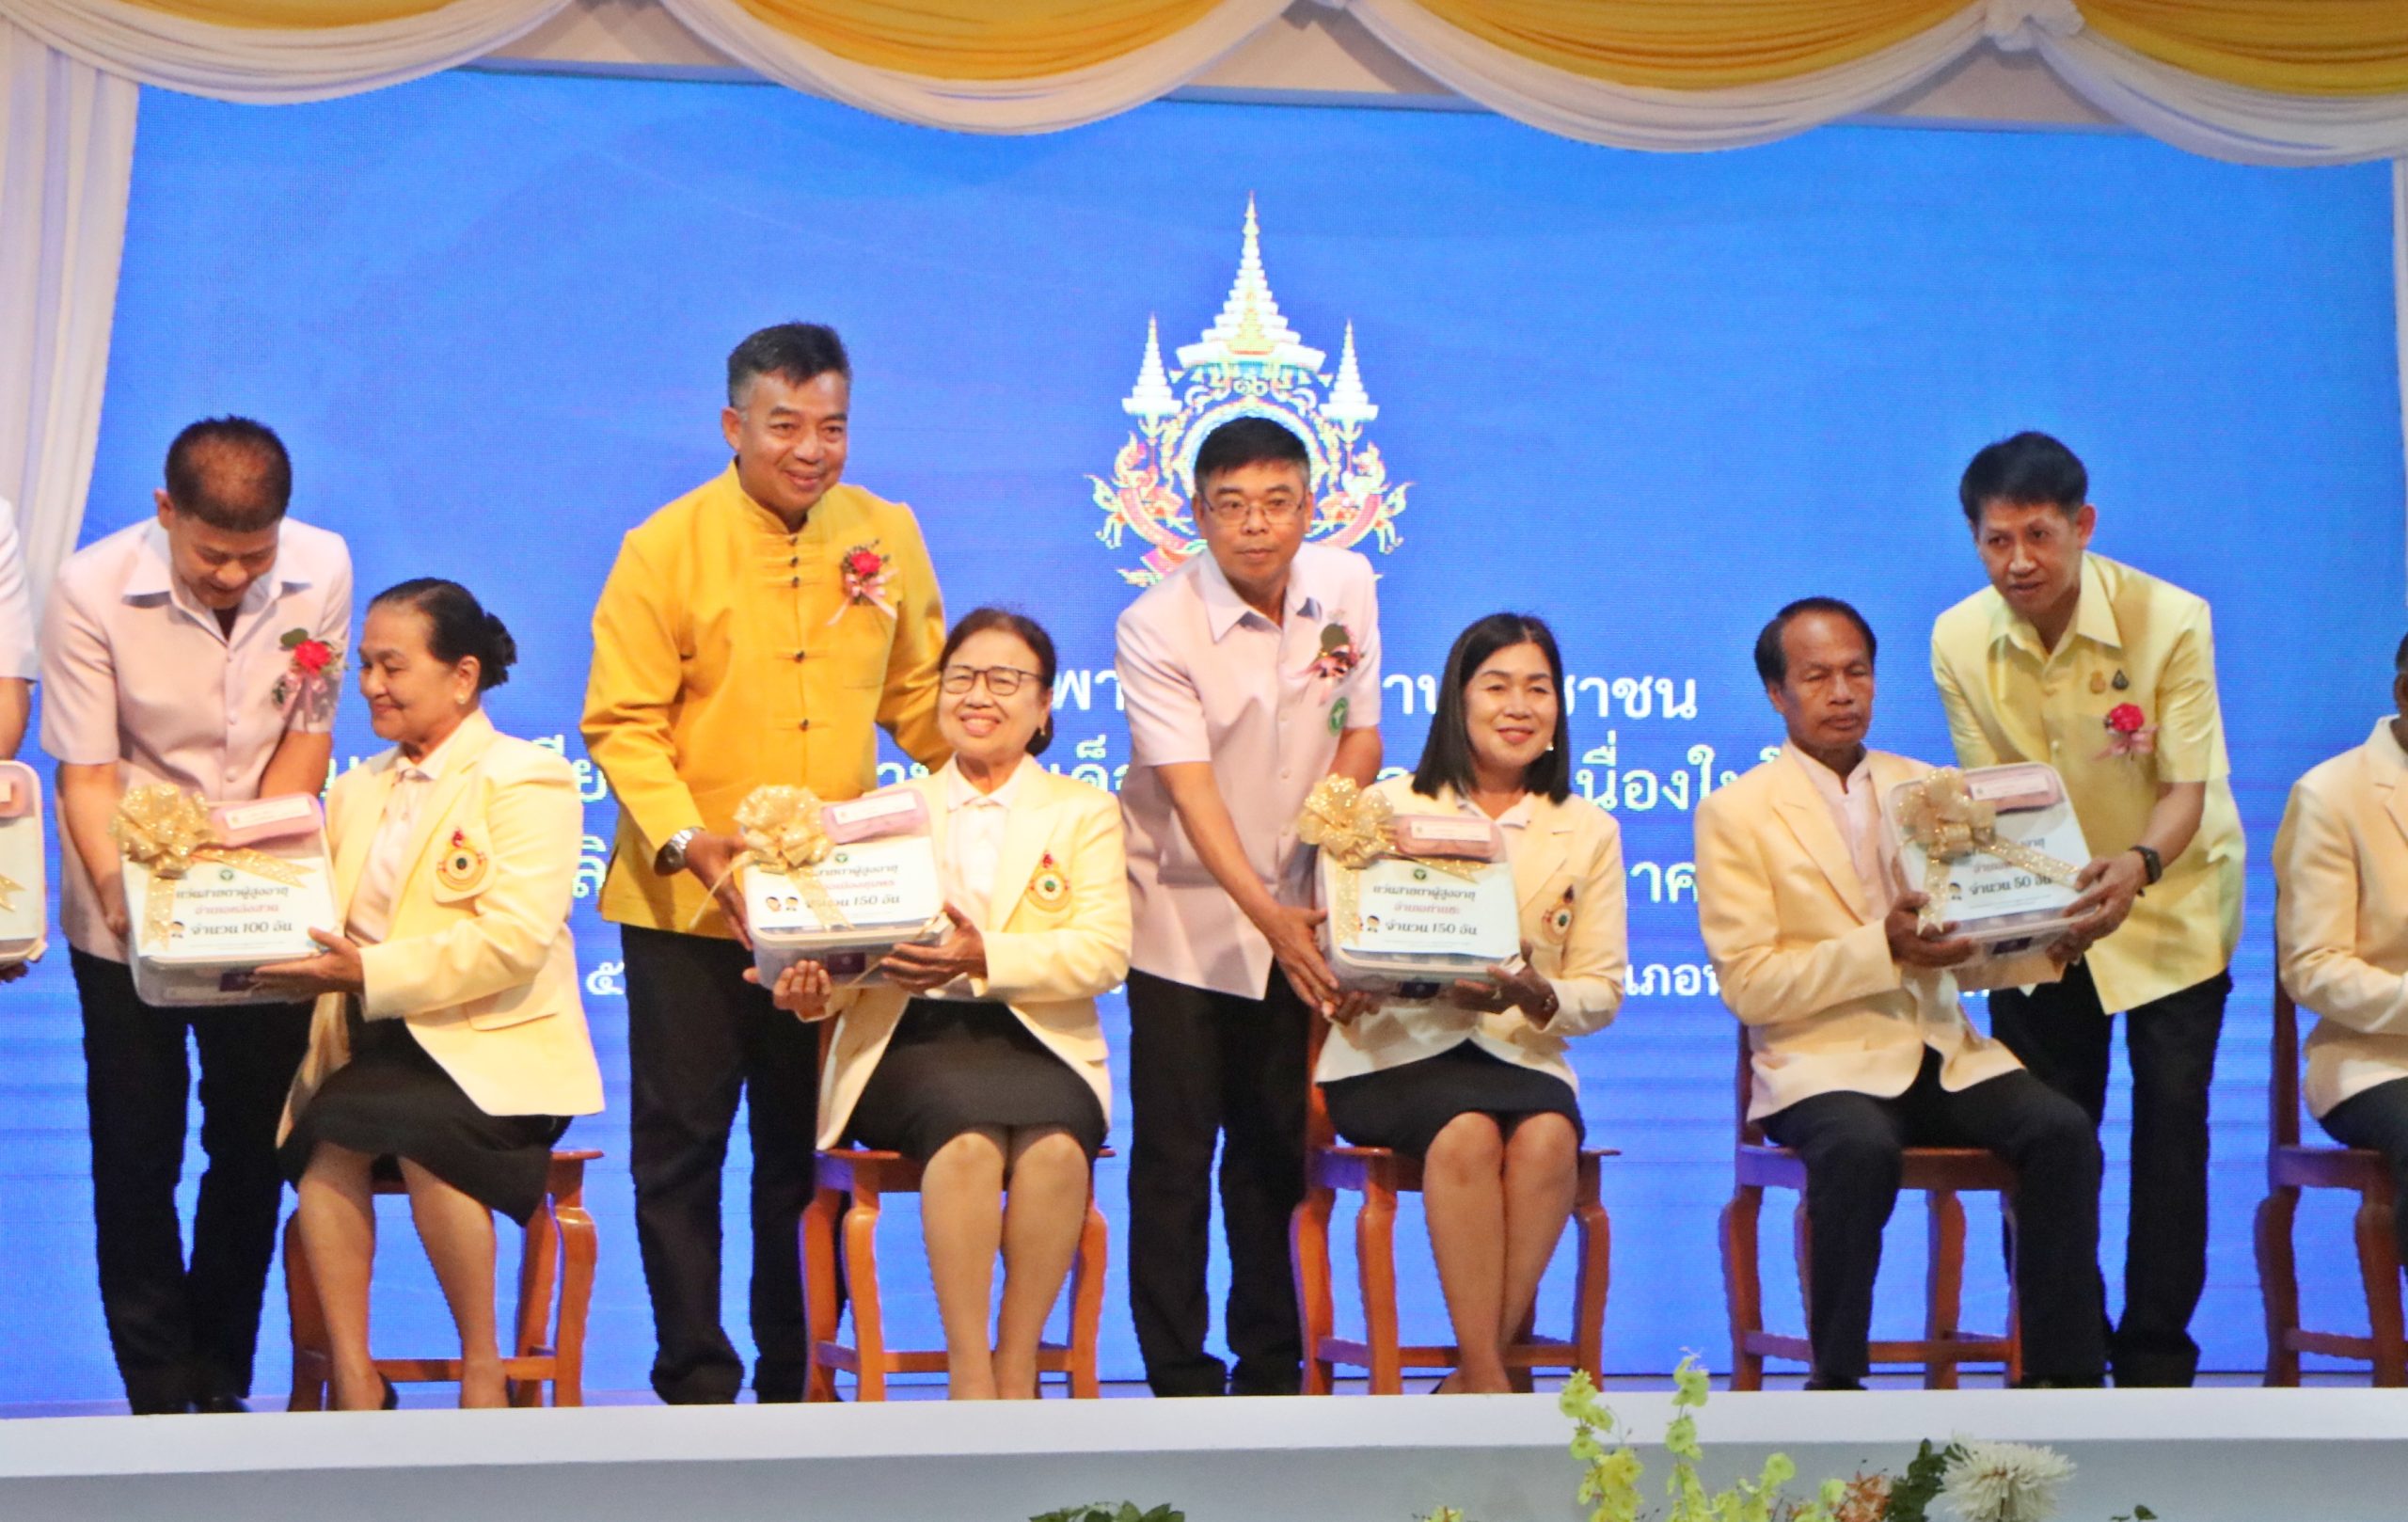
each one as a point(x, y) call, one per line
point(23, 903)
point(840, 883)
point(215, 892)
point(1995, 851)
point(1415, 901)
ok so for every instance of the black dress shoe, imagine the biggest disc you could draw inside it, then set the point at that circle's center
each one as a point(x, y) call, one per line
point(1817, 1382)
point(221, 1405)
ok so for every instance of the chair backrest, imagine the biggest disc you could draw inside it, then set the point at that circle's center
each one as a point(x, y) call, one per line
point(2282, 1079)
point(1751, 1133)
point(1319, 1133)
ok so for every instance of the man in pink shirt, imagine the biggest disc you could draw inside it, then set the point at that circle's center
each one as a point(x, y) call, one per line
point(168, 657)
point(1250, 672)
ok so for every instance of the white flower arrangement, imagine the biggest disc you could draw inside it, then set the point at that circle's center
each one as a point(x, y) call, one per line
point(2003, 1481)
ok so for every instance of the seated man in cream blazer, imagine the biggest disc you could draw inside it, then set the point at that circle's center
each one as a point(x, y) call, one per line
point(1859, 1046)
point(2341, 917)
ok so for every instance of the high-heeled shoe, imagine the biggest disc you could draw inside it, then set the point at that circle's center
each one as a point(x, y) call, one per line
point(392, 1396)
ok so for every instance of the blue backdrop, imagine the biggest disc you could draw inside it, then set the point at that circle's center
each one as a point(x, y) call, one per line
point(1649, 397)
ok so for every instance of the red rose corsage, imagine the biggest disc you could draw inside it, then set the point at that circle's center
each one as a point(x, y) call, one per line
point(868, 572)
point(312, 671)
point(2128, 732)
point(1338, 654)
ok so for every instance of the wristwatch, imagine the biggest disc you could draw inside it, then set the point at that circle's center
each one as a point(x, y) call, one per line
point(2151, 863)
point(672, 859)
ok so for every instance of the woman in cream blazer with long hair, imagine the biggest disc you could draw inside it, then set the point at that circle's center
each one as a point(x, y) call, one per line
point(1475, 1083)
point(449, 1034)
point(981, 1057)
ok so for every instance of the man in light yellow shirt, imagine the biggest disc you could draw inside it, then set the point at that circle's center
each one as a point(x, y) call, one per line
point(2109, 675)
point(755, 630)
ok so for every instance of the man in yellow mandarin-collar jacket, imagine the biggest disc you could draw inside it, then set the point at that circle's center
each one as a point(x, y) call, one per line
point(755, 630)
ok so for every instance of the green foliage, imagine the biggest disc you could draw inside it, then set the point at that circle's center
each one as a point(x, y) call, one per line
point(1912, 1493)
point(1609, 1486)
point(1102, 1511)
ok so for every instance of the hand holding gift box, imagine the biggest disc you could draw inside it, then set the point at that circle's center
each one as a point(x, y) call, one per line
point(23, 900)
point(215, 893)
point(1994, 852)
point(842, 884)
point(1415, 902)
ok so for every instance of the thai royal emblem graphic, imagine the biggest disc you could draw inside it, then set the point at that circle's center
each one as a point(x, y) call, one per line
point(1248, 363)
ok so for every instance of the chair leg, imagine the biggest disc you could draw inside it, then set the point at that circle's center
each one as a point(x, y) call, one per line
point(1375, 1258)
point(2379, 1267)
point(1944, 1282)
point(308, 1321)
point(861, 1280)
point(538, 1275)
point(820, 1298)
point(2013, 1294)
point(1596, 1236)
point(1742, 1284)
point(578, 1251)
point(1086, 1302)
point(1309, 1260)
point(2278, 1284)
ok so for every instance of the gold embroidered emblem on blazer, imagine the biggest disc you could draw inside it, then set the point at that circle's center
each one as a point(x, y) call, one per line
point(1803, 957)
point(480, 968)
point(1569, 883)
point(1047, 956)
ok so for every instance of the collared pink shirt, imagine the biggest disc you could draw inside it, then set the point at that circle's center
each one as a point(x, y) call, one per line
point(133, 671)
point(1207, 678)
point(1857, 813)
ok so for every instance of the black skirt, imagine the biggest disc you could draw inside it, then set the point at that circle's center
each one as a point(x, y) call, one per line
point(393, 1100)
point(1405, 1108)
point(953, 1066)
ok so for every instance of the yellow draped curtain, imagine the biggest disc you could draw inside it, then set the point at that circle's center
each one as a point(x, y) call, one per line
point(981, 39)
point(293, 15)
point(2291, 47)
point(1684, 45)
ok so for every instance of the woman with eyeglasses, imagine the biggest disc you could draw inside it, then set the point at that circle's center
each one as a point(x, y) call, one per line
point(1474, 1083)
point(981, 1057)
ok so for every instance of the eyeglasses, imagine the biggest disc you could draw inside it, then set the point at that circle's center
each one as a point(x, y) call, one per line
point(1003, 681)
point(1234, 511)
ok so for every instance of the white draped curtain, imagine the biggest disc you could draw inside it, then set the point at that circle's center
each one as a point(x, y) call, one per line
point(70, 69)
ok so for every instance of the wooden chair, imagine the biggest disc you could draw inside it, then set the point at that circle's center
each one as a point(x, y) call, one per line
point(1378, 1175)
point(555, 1295)
point(2291, 1168)
point(1941, 1174)
point(867, 1177)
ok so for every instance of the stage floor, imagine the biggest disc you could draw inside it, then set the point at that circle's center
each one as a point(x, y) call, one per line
point(2332, 1455)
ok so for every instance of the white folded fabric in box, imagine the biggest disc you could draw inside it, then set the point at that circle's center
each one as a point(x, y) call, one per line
point(249, 899)
point(24, 901)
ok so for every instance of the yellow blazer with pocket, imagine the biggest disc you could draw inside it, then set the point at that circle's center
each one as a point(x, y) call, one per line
point(2341, 916)
point(478, 962)
point(1802, 954)
point(1568, 881)
point(1047, 961)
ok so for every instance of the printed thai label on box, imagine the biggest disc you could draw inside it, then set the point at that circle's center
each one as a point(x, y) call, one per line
point(1406, 908)
point(223, 913)
point(872, 882)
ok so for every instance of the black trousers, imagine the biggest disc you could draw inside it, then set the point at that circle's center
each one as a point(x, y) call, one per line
point(182, 1332)
point(2377, 1120)
point(1201, 1066)
point(1851, 1143)
point(2063, 1036)
point(698, 1037)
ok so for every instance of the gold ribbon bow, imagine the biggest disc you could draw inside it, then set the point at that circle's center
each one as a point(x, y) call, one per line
point(168, 830)
point(782, 831)
point(1352, 827)
point(1945, 820)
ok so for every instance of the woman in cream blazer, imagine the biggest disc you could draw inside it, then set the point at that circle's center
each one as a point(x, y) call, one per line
point(448, 1034)
point(981, 1055)
point(1475, 1083)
